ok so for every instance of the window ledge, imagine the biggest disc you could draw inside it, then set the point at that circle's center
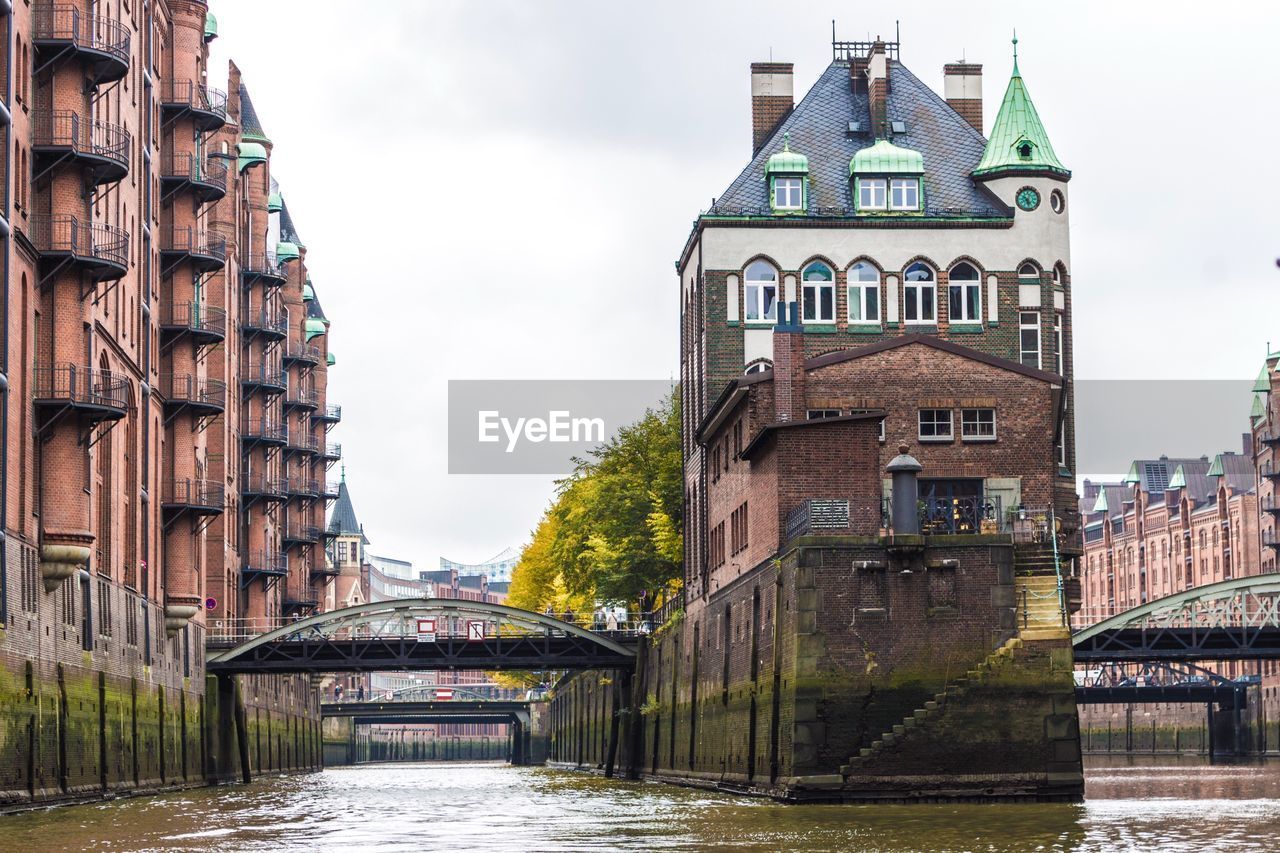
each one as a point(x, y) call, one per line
point(865, 329)
point(733, 324)
point(819, 328)
point(936, 439)
point(965, 329)
point(979, 439)
point(760, 324)
point(922, 328)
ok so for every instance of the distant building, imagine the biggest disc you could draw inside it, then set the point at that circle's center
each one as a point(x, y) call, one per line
point(496, 568)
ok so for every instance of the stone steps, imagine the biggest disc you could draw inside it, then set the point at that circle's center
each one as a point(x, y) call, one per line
point(934, 707)
point(1038, 610)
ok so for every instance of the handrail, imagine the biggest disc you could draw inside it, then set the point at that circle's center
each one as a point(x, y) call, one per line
point(193, 389)
point(192, 492)
point(1057, 566)
point(65, 233)
point(193, 95)
point(86, 385)
point(67, 128)
point(185, 164)
point(195, 316)
point(64, 23)
point(193, 241)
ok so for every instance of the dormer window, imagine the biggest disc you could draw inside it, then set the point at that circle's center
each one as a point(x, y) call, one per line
point(1025, 150)
point(905, 194)
point(788, 194)
point(871, 193)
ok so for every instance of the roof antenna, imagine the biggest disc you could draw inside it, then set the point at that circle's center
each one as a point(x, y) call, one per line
point(897, 33)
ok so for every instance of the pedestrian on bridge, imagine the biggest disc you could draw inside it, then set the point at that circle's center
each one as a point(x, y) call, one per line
point(568, 614)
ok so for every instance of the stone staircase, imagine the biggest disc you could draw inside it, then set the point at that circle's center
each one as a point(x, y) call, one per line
point(920, 717)
point(1038, 607)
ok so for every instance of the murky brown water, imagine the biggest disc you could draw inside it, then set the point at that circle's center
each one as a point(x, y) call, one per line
point(1144, 804)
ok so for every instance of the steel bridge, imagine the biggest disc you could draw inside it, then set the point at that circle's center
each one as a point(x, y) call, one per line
point(422, 634)
point(1237, 619)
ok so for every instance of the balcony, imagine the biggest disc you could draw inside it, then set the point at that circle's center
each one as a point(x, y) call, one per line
point(263, 563)
point(207, 181)
point(331, 490)
point(204, 323)
point(1270, 539)
point(187, 244)
point(263, 487)
point(102, 44)
point(302, 442)
point(206, 106)
point(300, 534)
point(262, 266)
point(265, 378)
point(298, 604)
point(62, 136)
point(268, 322)
point(98, 250)
point(301, 398)
point(1270, 504)
point(328, 416)
point(302, 353)
point(199, 395)
point(302, 487)
point(331, 452)
point(99, 395)
point(263, 431)
point(200, 497)
point(325, 570)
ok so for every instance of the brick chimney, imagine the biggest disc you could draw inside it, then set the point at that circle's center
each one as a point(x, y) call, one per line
point(788, 364)
point(772, 98)
point(962, 87)
point(878, 89)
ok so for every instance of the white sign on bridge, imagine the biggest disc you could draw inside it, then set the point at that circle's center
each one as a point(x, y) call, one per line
point(426, 630)
point(475, 630)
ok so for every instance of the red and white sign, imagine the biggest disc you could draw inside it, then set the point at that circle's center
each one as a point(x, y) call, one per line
point(475, 630)
point(443, 694)
point(426, 630)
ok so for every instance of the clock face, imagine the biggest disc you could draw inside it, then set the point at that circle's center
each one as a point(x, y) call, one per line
point(1028, 198)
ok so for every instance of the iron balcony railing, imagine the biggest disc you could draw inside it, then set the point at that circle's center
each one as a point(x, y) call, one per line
point(1270, 539)
point(194, 317)
point(264, 561)
point(818, 515)
point(260, 265)
point(66, 129)
point(303, 352)
point(303, 487)
point(331, 489)
point(271, 321)
point(202, 391)
point(332, 452)
point(189, 240)
point(1269, 469)
point(188, 167)
point(330, 414)
point(302, 441)
point(89, 241)
point(272, 379)
point(302, 533)
point(301, 397)
point(205, 494)
point(263, 429)
point(260, 485)
point(962, 515)
point(66, 23)
point(80, 386)
point(188, 94)
point(325, 568)
point(1270, 504)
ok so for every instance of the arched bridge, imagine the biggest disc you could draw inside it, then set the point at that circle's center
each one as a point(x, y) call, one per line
point(424, 634)
point(1237, 619)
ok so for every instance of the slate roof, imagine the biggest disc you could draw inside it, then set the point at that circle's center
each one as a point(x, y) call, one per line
point(1238, 470)
point(818, 128)
point(250, 126)
point(288, 232)
point(343, 521)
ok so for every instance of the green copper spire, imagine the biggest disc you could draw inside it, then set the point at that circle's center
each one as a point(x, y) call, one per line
point(1018, 140)
point(1179, 479)
point(1263, 382)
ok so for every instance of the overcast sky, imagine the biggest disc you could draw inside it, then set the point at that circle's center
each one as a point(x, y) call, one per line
point(498, 190)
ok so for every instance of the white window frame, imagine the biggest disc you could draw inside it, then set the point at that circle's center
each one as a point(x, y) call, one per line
point(935, 423)
point(790, 185)
point(1057, 342)
point(871, 188)
point(753, 295)
point(863, 293)
point(973, 418)
point(821, 414)
point(906, 187)
point(921, 288)
point(964, 286)
point(811, 295)
point(1024, 325)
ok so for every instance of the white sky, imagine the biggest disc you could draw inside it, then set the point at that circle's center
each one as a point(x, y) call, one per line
point(498, 190)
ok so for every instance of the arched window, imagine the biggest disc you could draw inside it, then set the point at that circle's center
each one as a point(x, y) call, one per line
point(966, 294)
point(758, 367)
point(1029, 271)
point(864, 293)
point(818, 291)
point(918, 293)
point(761, 292)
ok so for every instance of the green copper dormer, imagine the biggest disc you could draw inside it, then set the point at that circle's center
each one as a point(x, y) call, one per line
point(1259, 411)
point(788, 175)
point(886, 178)
point(330, 360)
point(1178, 480)
point(314, 327)
point(210, 27)
point(308, 292)
point(1133, 475)
point(250, 154)
point(1263, 383)
point(1018, 142)
point(275, 201)
point(286, 252)
point(1215, 470)
point(1100, 505)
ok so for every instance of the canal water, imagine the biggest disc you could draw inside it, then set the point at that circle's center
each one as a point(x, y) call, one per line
point(1140, 804)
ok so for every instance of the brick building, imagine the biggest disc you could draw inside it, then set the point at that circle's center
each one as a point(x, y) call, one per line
point(878, 206)
point(165, 360)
